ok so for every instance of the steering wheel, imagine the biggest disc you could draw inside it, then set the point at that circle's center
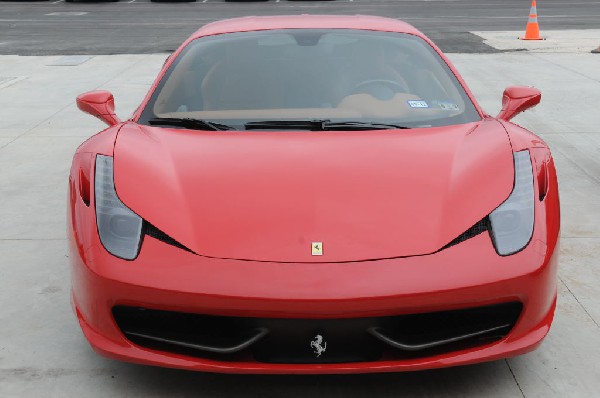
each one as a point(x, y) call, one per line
point(382, 89)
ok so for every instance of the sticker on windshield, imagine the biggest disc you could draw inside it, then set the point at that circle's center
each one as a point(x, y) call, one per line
point(418, 104)
point(446, 106)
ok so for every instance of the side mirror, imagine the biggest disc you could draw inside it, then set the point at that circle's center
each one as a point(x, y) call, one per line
point(100, 104)
point(517, 99)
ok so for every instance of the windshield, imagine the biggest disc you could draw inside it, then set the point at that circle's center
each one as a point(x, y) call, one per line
point(333, 75)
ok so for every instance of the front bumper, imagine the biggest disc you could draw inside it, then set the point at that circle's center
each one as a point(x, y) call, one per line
point(163, 277)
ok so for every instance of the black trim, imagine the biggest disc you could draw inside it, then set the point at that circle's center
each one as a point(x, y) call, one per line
point(233, 347)
point(400, 344)
point(156, 233)
point(481, 226)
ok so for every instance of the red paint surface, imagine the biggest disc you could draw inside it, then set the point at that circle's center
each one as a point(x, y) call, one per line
point(267, 196)
point(517, 99)
point(100, 104)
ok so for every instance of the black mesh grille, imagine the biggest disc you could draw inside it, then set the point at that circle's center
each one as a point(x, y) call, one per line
point(289, 340)
point(156, 233)
point(480, 227)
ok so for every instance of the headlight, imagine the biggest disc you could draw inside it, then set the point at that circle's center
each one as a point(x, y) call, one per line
point(120, 229)
point(512, 221)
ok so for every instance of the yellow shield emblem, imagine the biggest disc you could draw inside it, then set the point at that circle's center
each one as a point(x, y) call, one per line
point(317, 248)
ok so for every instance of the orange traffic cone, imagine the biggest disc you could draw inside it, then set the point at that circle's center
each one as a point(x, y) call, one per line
point(532, 32)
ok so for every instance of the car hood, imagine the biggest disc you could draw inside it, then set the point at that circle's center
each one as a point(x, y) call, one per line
point(267, 196)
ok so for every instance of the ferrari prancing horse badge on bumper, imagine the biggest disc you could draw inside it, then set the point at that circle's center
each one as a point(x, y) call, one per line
point(318, 345)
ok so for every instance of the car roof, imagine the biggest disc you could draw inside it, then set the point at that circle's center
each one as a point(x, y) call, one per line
point(253, 23)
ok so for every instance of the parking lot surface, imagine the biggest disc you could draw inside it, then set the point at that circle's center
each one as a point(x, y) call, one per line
point(140, 26)
point(42, 350)
point(56, 50)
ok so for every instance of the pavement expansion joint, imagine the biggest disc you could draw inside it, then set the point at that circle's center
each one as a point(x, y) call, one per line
point(70, 60)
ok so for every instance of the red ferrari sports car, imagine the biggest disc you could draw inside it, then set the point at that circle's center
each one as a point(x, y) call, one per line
point(312, 194)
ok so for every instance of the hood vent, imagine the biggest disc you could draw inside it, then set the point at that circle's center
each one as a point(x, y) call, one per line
point(156, 233)
point(481, 226)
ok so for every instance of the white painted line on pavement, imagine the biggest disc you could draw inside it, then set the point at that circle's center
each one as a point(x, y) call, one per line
point(68, 13)
point(9, 81)
point(500, 17)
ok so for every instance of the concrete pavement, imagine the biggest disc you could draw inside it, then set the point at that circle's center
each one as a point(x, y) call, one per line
point(42, 350)
point(580, 41)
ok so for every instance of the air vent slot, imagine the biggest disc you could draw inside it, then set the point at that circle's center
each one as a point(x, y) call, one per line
point(480, 227)
point(156, 233)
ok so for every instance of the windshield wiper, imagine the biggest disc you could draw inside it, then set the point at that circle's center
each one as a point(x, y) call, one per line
point(313, 125)
point(189, 123)
point(320, 125)
point(362, 126)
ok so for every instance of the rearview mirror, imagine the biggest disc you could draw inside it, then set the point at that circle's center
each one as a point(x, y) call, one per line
point(100, 104)
point(517, 99)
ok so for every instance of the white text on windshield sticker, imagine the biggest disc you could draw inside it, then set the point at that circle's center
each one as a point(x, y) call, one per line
point(418, 104)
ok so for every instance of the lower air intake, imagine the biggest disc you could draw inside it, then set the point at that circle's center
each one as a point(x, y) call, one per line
point(276, 340)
